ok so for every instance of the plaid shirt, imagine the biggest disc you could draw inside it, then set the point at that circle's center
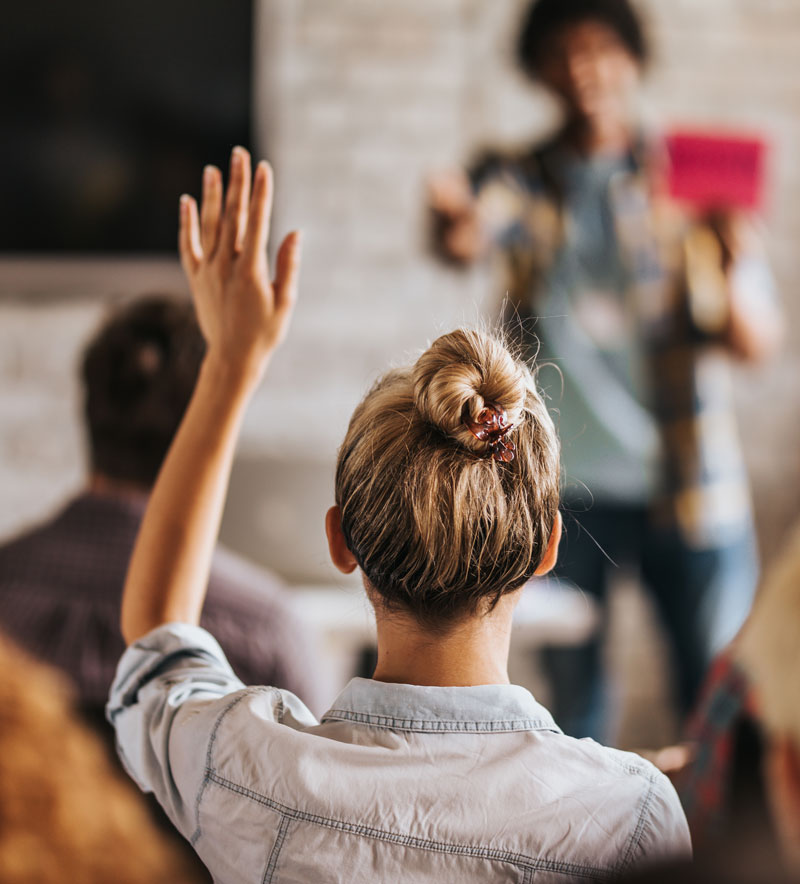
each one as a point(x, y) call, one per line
point(704, 788)
point(60, 595)
point(705, 490)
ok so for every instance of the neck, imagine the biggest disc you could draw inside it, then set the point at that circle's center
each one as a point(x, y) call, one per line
point(105, 486)
point(473, 652)
point(599, 135)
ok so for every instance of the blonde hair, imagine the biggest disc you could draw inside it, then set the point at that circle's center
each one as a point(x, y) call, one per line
point(769, 645)
point(439, 528)
point(65, 812)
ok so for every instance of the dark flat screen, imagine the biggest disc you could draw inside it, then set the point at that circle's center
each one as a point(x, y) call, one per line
point(108, 112)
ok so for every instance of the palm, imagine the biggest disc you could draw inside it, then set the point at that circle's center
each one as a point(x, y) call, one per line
point(450, 193)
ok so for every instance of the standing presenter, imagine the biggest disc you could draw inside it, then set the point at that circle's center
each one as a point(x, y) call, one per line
point(638, 309)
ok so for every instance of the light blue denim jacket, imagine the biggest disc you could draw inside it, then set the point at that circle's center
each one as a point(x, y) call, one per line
point(396, 783)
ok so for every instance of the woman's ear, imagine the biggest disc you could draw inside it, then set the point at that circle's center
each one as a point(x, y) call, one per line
point(341, 556)
point(551, 554)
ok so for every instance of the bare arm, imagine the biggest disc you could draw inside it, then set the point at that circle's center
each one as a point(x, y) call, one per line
point(754, 327)
point(244, 317)
point(751, 336)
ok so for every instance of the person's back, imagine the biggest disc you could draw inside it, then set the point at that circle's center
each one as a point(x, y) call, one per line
point(397, 783)
point(61, 581)
point(61, 588)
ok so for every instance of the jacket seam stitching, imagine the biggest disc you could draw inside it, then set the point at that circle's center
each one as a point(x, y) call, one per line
point(269, 871)
point(439, 724)
point(209, 750)
point(636, 837)
point(518, 859)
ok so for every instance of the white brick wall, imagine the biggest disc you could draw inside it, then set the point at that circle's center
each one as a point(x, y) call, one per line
point(41, 456)
point(358, 101)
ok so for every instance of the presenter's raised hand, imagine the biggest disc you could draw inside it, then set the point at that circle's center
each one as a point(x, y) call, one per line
point(458, 230)
point(243, 313)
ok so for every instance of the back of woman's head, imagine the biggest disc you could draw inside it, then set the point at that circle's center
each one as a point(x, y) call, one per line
point(440, 528)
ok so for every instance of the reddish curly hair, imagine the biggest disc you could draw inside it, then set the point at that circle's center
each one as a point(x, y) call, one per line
point(65, 813)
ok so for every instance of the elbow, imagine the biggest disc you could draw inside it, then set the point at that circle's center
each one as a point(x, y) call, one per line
point(755, 338)
point(755, 346)
point(135, 622)
point(129, 632)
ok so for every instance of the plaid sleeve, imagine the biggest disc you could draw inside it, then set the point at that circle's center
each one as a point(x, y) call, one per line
point(704, 787)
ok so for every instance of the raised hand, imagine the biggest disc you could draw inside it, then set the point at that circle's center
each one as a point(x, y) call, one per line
point(458, 231)
point(243, 315)
point(449, 193)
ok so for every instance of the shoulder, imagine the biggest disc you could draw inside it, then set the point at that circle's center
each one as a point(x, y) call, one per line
point(44, 561)
point(525, 166)
point(22, 548)
point(246, 600)
point(253, 615)
point(643, 804)
point(659, 828)
point(87, 535)
point(630, 769)
point(239, 588)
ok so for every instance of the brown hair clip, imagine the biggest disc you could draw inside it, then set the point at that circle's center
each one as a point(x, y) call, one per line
point(491, 427)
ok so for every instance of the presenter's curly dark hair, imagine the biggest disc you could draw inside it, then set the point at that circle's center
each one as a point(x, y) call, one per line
point(545, 17)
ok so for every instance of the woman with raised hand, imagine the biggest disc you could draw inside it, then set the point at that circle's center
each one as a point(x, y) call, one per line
point(447, 501)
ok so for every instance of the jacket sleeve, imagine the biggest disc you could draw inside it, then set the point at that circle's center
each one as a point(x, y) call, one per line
point(171, 687)
point(662, 833)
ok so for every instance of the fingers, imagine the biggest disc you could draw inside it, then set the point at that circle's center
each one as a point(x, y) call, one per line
point(255, 242)
point(450, 192)
point(464, 239)
point(288, 271)
point(234, 219)
point(244, 202)
point(189, 236)
point(242, 226)
point(211, 209)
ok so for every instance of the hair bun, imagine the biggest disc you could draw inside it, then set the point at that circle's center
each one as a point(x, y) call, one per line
point(461, 373)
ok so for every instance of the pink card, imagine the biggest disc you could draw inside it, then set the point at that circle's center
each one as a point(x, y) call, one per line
point(717, 171)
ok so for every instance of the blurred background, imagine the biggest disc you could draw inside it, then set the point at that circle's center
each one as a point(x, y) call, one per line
point(355, 103)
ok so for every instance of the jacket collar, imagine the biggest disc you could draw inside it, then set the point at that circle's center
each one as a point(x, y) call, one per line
point(479, 708)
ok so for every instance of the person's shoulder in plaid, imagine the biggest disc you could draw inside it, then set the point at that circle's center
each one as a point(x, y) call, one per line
point(706, 786)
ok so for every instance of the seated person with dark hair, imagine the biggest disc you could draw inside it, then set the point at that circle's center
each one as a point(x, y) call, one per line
point(61, 583)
